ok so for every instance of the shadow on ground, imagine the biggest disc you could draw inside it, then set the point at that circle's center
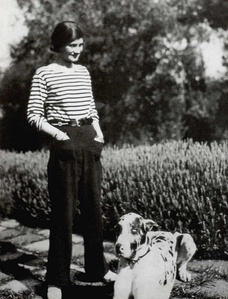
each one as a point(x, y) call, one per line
point(85, 291)
point(23, 257)
point(13, 263)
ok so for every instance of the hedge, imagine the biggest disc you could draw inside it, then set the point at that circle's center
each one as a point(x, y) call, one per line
point(180, 184)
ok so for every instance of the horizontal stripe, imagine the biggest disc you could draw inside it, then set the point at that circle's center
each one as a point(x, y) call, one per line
point(61, 95)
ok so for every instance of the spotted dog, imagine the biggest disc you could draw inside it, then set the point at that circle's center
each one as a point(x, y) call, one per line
point(149, 261)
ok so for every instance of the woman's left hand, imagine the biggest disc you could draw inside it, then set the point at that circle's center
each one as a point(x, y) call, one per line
point(99, 135)
point(99, 138)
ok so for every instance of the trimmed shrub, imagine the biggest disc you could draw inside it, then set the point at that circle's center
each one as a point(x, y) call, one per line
point(23, 181)
point(181, 185)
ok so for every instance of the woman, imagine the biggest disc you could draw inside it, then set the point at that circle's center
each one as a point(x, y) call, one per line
point(61, 104)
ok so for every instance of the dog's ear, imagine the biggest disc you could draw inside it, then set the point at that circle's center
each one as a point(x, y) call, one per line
point(150, 225)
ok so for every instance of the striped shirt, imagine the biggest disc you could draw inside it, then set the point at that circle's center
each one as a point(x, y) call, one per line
point(59, 94)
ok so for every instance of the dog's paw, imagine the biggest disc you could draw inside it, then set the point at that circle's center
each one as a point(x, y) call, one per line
point(183, 275)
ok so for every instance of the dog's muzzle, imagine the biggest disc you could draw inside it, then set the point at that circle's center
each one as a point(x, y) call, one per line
point(130, 251)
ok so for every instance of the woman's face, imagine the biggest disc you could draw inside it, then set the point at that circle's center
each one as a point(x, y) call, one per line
point(71, 52)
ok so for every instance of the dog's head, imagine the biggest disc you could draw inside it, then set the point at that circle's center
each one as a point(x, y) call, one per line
point(131, 233)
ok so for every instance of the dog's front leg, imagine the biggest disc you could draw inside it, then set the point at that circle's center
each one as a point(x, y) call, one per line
point(122, 286)
point(186, 248)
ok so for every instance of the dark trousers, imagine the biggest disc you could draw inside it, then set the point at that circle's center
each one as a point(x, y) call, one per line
point(74, 182)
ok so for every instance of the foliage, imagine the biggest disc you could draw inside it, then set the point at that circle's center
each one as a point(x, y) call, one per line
point(23, 181)
point(180, 185)
point(145, 64)
point(213, 9)
point(7, 294)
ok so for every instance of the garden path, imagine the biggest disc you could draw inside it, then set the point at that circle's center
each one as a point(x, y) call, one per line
point(23, 255)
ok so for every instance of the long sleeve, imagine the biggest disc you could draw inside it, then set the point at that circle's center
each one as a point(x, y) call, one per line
point(93, 110)
point(38, 94)
point(60, 95)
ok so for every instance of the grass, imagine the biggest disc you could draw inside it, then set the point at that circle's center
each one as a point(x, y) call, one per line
point(8, 294)
point(203, 278)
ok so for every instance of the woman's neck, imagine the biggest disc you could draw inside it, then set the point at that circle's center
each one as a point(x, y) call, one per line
point(64, 63)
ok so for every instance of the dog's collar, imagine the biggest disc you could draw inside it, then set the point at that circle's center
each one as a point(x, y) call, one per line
point(133, 261)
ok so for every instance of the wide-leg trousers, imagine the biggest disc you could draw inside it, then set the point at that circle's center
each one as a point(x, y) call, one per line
point(74, 182)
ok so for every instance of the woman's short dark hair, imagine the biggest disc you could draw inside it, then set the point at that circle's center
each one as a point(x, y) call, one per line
point(64, 33)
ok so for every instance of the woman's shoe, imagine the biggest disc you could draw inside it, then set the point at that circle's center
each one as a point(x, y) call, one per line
point(54, 293)
point(110, 276)
point(83, 277)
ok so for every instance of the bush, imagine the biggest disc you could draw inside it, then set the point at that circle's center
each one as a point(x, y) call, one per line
point(181, 185)
point(23, 181)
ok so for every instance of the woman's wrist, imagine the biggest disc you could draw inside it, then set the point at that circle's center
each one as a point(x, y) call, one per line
point(53, 131)
point(99, 138)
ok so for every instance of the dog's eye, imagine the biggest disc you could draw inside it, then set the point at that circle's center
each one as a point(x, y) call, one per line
point(134, 231)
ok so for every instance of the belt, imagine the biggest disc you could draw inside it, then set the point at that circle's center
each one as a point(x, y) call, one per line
point(75, 123)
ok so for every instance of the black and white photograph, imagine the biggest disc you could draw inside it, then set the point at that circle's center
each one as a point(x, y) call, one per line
point(114, 149)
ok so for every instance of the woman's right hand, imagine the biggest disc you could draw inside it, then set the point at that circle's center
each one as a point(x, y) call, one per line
point(61, 136)
point(54, 132)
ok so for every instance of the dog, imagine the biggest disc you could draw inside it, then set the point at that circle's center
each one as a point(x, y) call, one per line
point(149, 260)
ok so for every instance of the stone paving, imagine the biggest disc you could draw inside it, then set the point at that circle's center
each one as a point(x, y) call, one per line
point(23, 257)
